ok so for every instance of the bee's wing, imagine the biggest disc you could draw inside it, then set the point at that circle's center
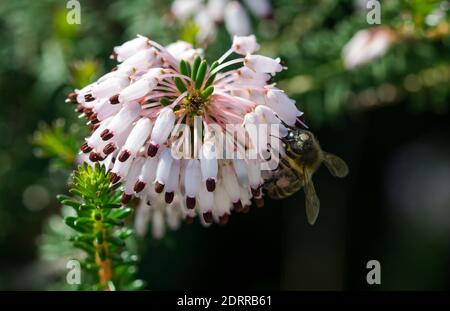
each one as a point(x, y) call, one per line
point(312, 201)
point(335, 165)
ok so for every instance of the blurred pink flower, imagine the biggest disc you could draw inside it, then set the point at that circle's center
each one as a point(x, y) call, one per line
point(367, 45)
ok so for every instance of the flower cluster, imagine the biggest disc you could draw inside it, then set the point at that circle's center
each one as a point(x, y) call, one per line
point(207, 15)
point(137, 110)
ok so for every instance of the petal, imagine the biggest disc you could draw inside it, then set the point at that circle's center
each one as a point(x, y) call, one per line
point(216, 9)
point(260, 8)
point(208, 161)
point(205, 200)
point(130, 48)
point(192, 178)
point(237, 21)
point(158, 225)
point(230, 183)
point(260, 63)
point(125, 116)
point(174, 176)
point(245, 44)
point(163, 126)
point(163, 170)
point(138, 135)
point(133, 174)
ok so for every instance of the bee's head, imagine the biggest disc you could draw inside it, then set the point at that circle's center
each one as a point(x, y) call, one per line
point(300, 141)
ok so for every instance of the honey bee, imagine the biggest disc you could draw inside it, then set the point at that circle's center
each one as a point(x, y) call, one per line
point(303, 156)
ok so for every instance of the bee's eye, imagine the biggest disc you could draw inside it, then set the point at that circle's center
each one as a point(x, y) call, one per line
point(297, 147)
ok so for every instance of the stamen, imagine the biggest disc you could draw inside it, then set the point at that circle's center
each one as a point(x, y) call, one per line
point(225, 55)
point(229, 63)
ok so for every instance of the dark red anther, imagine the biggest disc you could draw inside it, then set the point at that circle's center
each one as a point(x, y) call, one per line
point(238, 206)
point(246, 209)
point(208, 217)
point(88, 97)
point(223, 220)
point(93, 118)
point(168, 196)
point(114, 178)
point(109, 148)
point(139, 186)
point(259, 202)
point(114, 100)
point(210, 184)
point(114, 69)
point(79, 108)
point(93, 127)
point(189, 220)
point(88, 112)
point(106, 135)
point(152, 150)
point(94, 156)
point(126, 198)
point(85, 148)
point(124, 155)
point(72, 97)
point(256, 192)
point(190, 202)
point(159, 187)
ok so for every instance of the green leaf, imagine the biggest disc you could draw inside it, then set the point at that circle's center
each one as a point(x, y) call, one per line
point(117, 241)
point(124, 233)
point(114, 222)
point(62, 197)
point(84, 246)
point(207, 92)
point(83, 238)
point(83, 221)
point(71, 203)
point(201, 74)
point(213, 66)
point(121, 213)
point(195, 66)
point(164, 101)
point(185, 68)
point(180, 85)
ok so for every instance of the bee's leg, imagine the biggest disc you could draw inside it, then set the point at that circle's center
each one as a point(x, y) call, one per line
point(300, 122)
point(289, 153)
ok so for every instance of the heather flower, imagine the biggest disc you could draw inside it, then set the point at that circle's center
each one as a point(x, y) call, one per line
point(367, 45)
point(142, 114)
point(208, 14)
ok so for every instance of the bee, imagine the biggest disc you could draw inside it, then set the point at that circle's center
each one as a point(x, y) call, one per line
point(303, 156)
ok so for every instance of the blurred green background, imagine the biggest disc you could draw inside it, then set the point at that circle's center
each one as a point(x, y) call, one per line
point(388, 119)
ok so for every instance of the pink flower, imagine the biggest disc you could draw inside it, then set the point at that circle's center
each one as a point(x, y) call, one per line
point(210, 13)
point(367, 45)
point(143, 112)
